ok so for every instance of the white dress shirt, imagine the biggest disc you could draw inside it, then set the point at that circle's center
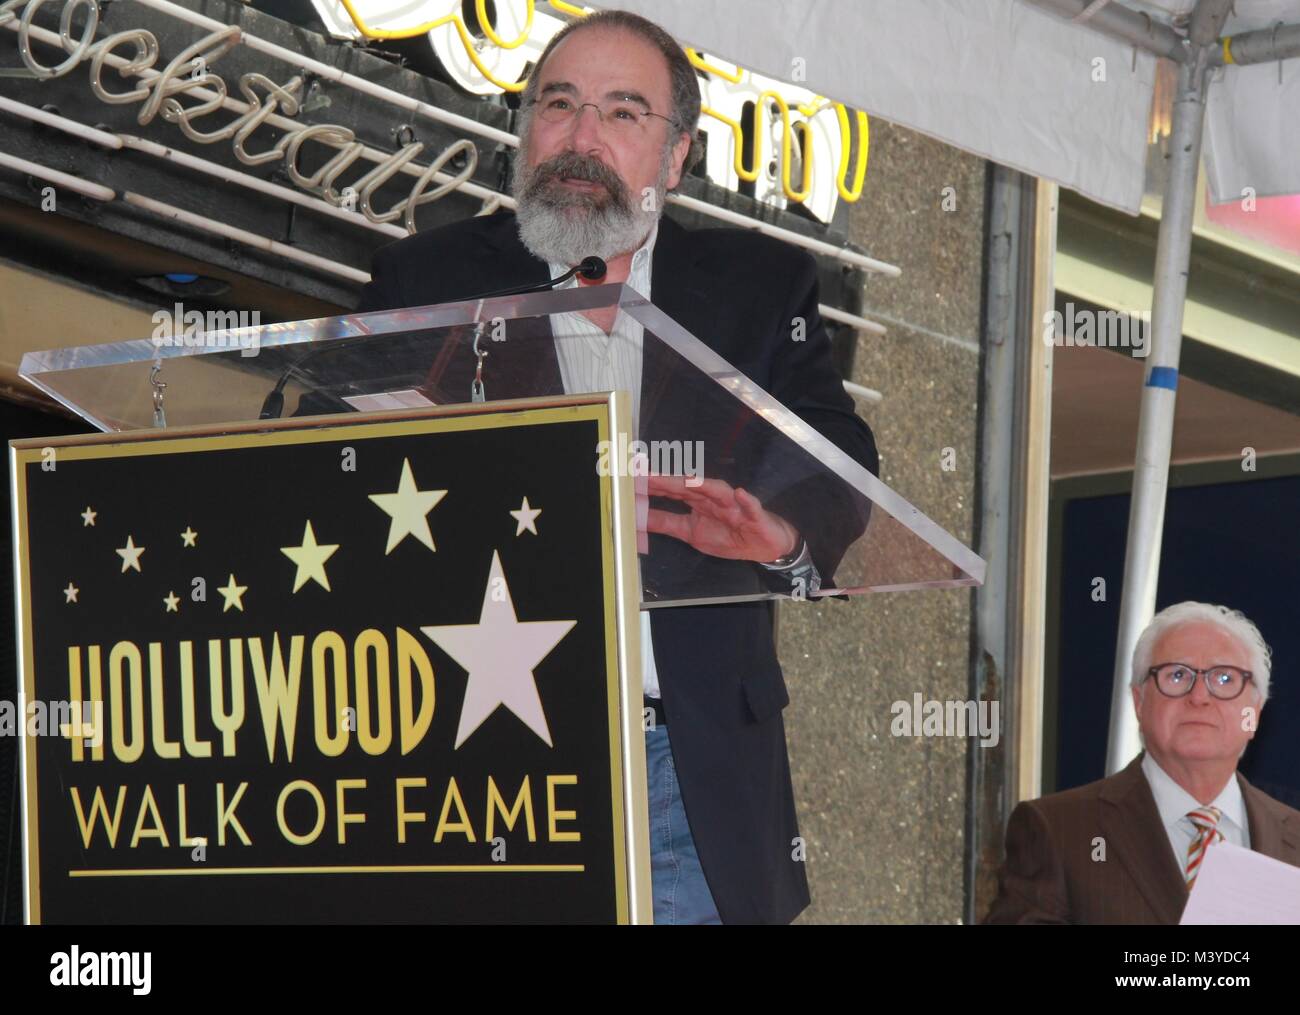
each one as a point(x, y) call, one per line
point(591, 360)
point(1173, 802)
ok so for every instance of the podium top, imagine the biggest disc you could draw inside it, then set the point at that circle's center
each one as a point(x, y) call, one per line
point(702, 427)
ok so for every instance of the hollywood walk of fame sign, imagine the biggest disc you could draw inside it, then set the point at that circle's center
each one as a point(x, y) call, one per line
point(334, 671)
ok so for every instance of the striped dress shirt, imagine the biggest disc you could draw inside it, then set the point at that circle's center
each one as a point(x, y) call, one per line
point(591, 360)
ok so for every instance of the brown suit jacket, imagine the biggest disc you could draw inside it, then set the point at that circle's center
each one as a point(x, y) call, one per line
point(1050, 874)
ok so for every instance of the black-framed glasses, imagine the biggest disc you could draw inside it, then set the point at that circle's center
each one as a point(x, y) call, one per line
point(1176, 680)
point(621, 116)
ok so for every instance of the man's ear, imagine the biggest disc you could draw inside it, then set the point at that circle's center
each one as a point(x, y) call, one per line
point(1137, 701)
point(680, 150)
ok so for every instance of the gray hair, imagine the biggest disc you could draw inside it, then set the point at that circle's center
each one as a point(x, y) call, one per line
point(1231, 622)
point(683, 81)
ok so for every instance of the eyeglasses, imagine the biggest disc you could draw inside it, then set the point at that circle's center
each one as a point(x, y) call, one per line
point(1176, 680)
point(621, 116)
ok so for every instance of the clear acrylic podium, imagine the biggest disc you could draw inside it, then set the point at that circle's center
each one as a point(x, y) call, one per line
point(697, 417)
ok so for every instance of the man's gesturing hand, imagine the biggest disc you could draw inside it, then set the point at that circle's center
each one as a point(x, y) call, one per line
point(724, 521)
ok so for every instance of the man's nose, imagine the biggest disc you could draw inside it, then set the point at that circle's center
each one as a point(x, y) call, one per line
point(1200, 693)
point(586, 136)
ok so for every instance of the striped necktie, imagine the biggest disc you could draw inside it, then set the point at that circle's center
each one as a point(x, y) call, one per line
point(1206, 820)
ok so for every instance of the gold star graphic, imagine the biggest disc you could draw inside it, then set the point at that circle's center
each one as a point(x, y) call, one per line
point(173, 602)
point(188, 536)
point(234, 595)
point(408, 508)
point(310, 558)
point(71, 593)
point(88, 517)
point(130, 555)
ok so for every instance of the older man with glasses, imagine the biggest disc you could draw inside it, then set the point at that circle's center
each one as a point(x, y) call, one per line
point(1127, 849)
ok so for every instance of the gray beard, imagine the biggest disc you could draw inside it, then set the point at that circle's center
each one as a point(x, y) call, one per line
point(563, 228)
point(565, 236)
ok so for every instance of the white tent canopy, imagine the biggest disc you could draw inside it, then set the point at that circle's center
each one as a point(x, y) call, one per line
point(1013, 83)
point(1252, 129)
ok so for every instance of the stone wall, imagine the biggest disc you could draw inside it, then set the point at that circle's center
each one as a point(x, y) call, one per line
point(883, 817)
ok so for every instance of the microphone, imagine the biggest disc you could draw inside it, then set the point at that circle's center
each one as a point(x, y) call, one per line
point(591, 268)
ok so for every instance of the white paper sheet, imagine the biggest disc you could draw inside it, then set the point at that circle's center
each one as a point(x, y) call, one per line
point(1240, 886)
point(408, 398)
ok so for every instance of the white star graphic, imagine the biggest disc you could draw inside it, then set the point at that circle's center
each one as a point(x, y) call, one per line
point(526, 517)
point(500, 653)
point(130, 555)
point(173, 602)
point(188, 536)
point(88, 517)
point(407, 508)
point(71, 592)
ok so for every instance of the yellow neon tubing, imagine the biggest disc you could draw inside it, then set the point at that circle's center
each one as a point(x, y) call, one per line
point(480, 8)
point(697, 61)
point(453, 19)
point(787, 136)
point(750, 175)
point(560, 5)
point(402, 33)
point(739, 137)
point(860, 170)
point(812, 107)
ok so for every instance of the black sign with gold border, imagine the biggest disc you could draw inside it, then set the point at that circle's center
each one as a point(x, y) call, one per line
point(431, 620)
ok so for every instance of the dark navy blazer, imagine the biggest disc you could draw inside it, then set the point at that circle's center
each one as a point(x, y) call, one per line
point(739, 292)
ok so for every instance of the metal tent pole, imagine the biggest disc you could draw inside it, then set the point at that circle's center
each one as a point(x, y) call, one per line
point(1119, 22)
point(1261, 46)
point(1156, 423)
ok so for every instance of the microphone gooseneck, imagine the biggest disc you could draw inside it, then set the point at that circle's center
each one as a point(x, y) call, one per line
point(592, 268)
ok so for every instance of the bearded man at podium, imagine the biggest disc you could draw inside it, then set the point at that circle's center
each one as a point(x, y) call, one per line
point(607, 128)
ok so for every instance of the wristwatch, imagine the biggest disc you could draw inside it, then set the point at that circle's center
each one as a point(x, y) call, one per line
point(791, 558)
point(798, 564)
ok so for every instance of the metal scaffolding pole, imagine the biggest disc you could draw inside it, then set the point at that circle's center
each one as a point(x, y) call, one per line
point(1262, 46)
point(1156, 423)
point(1119, 22)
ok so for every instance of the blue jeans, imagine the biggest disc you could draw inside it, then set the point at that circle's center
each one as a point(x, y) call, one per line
point(681, 895)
